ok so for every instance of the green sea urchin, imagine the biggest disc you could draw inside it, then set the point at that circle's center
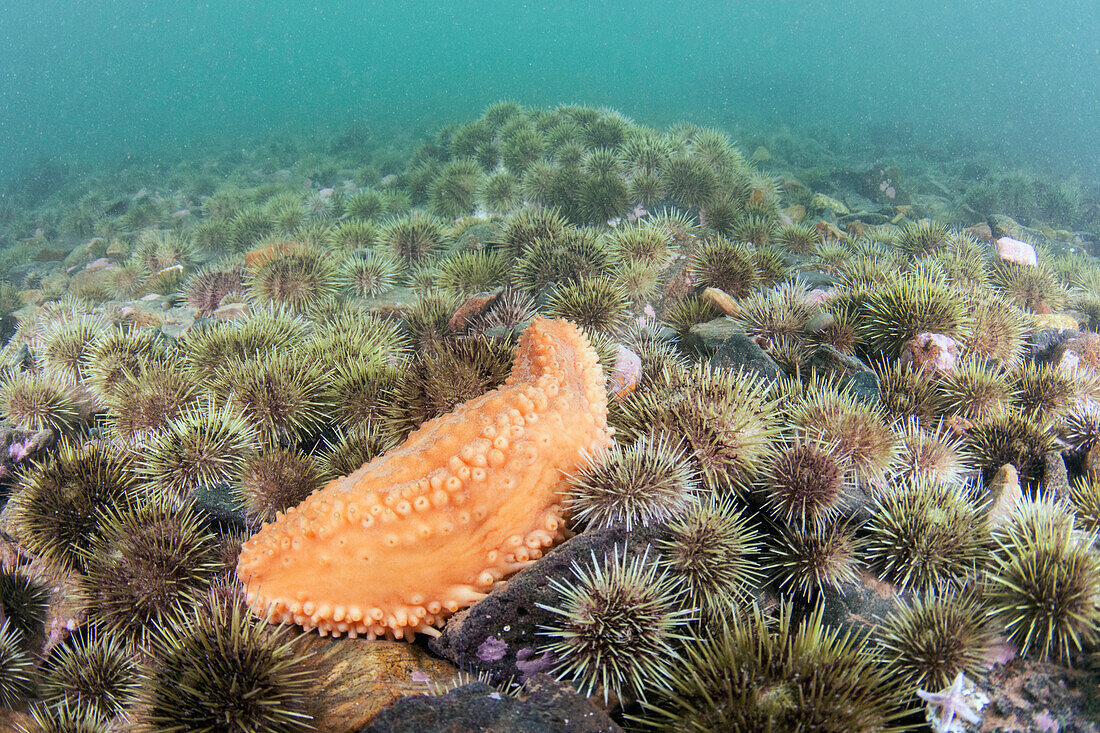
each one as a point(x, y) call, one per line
point(649, 481)
point(56, 510)
point(712, 548)
point(221, 669)
point(615, 621)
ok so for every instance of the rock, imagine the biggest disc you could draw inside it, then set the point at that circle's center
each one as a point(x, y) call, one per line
point(1003, 226)
point(543, 706)
point(795, 213)
point(625, 373)
point(1055, 476)
point(821, 202)
point(822, 320)
point(722, 300)
point(827, 359)
point(498, 635)
point(727, 346)
point(1078, 352)
point(354, 678)
point(863, 386)
point(1002, 494)
point(1057, 321)
point(930, 352)
point(820, 296)
point(1038, 696)
point(217, 502)
point(1013, 250)
point(19, 447)
point(883, 186)
point(859, 605)
point(980, 231)
point(1045, 343)
point(862, 217)
point(474, 306)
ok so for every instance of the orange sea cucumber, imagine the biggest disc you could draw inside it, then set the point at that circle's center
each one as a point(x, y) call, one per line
point(429, 527)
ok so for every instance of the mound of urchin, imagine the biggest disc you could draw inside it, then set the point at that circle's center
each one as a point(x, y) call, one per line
point(721, 417)
point(148, 556)
point(299, 277)
point(1043, 586)
point(36, 402)
point(282, 394)
point(935, 635)
point(443, 375)
point(712, 549)
point(275, 480)
point(16, 667)
point(203, 446)
point(760, 674)
point(91, 672)
point(806, 481)
point(857, 429)
point(924, 534)
point(56, 508)
point(614, 627)
point(808, 560)
point(218, 668)
point(647, 482)
point(24, 602)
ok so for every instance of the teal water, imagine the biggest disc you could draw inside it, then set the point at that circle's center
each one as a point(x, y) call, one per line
point(91, 82)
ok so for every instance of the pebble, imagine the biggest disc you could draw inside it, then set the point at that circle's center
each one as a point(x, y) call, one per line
point(1013, 250)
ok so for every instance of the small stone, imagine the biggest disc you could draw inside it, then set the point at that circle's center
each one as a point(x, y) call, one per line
point(474, 306)
point(1055, 476)
point(1013, 250)
point(761, 155)
point(930, 351)
point(230, 311)
point(820, 296)
point(1003, 494)
point(795, 213)
point(821, 321)
point(981, 231)
point(722, 300)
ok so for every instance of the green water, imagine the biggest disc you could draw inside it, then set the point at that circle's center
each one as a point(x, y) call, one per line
point(91, 83)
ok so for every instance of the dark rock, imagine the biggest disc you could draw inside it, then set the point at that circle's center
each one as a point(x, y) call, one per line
point(863, 386)
point(817, 280)
point(727, 346)
point(216, 501)
point(1045, 343)
point(544, 706)
point(829, 360)
point(859, 606)
point(497, 635)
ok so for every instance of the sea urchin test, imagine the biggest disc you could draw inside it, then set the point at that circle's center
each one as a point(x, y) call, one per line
point(429, 527)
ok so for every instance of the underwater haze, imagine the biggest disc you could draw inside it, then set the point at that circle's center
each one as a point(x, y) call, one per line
point(93, 81)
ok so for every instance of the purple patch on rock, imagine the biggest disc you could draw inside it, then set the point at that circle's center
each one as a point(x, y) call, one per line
point(17, 451)
point(534, 666)
point(492, 649)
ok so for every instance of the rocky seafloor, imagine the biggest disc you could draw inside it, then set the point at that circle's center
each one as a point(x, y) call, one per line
point(853, 485)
